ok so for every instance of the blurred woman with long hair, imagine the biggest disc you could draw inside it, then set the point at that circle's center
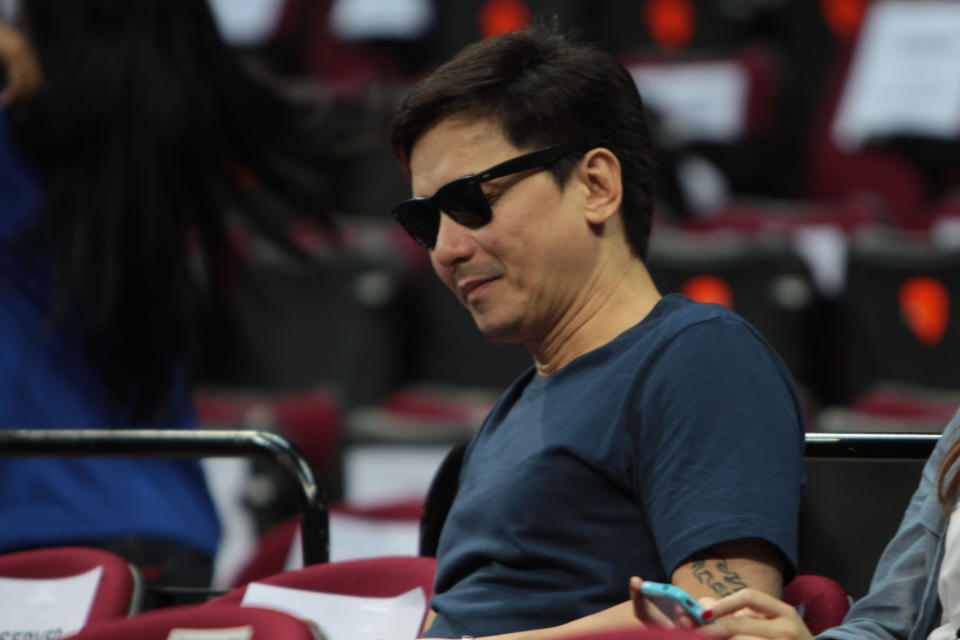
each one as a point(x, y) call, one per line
point(131, 137)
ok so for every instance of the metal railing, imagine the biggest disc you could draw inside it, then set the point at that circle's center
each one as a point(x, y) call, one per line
point(190, 443)
point(871, 446)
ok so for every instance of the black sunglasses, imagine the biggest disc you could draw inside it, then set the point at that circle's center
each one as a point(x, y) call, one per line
point(464, 200)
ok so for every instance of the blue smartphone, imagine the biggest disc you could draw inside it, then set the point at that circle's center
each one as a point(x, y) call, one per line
point(673, 601)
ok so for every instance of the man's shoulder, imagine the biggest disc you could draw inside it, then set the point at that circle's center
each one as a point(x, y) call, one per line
point(675, 321)
point(700, 339)
point(676, 314)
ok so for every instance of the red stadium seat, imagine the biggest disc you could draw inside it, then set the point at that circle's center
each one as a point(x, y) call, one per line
point(383, 577)
point(248, 623)
point(311, 419)
point(824, 601)
point(897, 316)
point(118, 594)
point(852, 152)
point(277, 550)
point(271, 552)
point(371, 577)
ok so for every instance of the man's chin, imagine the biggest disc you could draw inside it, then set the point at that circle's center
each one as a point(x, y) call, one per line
point(497, 332)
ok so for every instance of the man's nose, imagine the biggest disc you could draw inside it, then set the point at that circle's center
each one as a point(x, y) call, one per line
point(454, 242)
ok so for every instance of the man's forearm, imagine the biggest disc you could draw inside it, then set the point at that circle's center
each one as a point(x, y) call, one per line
point(720, 570)
point(730, 567)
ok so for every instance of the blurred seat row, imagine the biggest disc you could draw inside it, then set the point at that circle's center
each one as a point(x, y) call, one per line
point(814, 102)
point(90, 594)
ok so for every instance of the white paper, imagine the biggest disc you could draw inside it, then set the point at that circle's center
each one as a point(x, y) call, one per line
point(295, 554)
point(905, 76)
point(233, 633)
point(389, 19)
point(246, 22)
point(228, 480)
point(824, 248)
point(352, 538)
point(46, 607)
point(945, 232)
point(342, 617)
point(703, 100)
point(380, 473)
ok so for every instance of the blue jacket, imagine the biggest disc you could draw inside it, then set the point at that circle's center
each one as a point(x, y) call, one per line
point(903, 603)
point(47, 380)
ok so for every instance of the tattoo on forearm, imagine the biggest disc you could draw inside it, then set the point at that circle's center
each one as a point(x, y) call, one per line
point(704, 575)
point(730, 576)
point(714, 572)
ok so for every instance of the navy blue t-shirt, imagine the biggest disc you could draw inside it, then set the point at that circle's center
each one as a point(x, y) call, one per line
point(681, 433)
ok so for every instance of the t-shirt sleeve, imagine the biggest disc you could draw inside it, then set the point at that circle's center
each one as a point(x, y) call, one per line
point(720, 443)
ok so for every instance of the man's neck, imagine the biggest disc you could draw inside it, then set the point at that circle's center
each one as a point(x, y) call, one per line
point(616, 300)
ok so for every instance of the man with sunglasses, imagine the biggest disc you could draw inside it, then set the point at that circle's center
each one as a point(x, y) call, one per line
point(654, 436)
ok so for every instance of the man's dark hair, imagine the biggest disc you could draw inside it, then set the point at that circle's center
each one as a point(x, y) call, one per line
point(544, 90)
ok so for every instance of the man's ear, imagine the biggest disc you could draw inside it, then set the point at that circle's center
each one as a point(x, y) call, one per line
point(599, 175)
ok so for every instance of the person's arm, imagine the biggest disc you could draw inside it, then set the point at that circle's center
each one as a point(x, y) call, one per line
point(19, 65)
point(722, 569)
point(902, 601)
point(729, 567)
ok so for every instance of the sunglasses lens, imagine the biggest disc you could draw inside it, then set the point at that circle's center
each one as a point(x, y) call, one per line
point(466, 203)
point(421, 219)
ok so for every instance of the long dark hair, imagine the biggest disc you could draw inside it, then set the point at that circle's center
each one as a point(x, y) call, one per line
point(149, 130)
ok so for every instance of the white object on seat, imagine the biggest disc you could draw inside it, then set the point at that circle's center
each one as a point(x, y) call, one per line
point(380, 472)
point(247, 23)
point(236, 633)
point(341, 617)
point(698, 100)
point(374, 19)
point(47, 607)
point(904, 78)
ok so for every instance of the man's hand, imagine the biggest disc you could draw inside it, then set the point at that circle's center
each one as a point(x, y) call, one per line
point(19, 64)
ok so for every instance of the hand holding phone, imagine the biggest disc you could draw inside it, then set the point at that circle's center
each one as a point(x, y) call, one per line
point(673, 601)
